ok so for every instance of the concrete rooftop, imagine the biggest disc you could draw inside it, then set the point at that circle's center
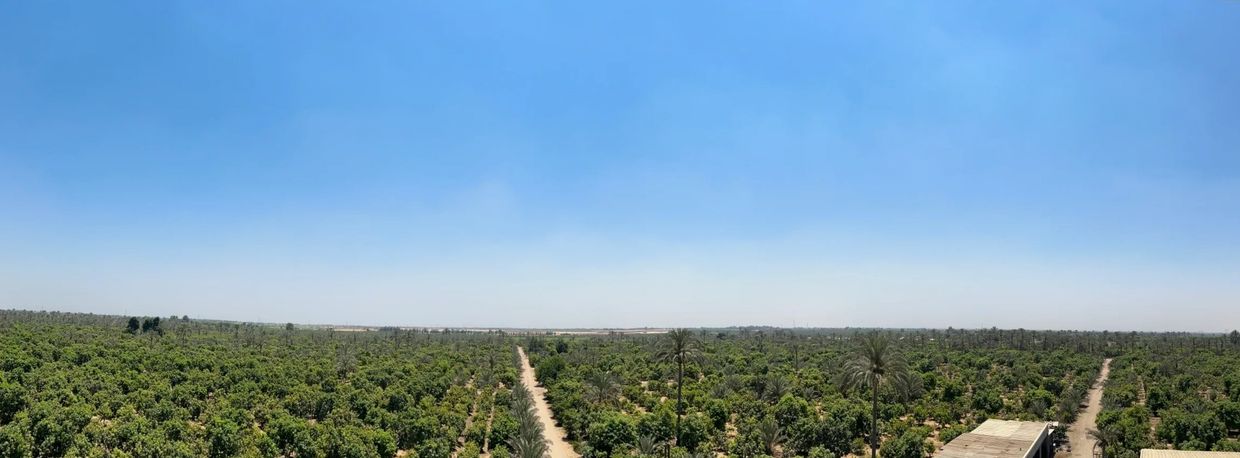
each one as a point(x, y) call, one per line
point(996, 438)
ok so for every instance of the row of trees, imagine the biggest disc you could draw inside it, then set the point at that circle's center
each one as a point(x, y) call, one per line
point(527, 440)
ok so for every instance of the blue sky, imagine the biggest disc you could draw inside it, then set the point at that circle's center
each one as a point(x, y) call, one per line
point(640, 163)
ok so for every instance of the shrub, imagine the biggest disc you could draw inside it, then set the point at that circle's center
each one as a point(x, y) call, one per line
point(613, 431)
point(911, 444)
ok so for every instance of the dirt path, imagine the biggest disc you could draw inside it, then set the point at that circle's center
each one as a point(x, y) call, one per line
point(1087, 419)
point(486, 440)
point(556, 445)
point(469, 421)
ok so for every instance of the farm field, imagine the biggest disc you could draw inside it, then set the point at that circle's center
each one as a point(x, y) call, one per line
point(76, 385)
point(769, 392)
point(90, 385)
point(1173, 394)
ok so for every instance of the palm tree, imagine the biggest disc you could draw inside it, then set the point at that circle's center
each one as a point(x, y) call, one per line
point(771, 436)
point(775, 388)
point(527, 441)
point(680, 347)
point(876, 365)
point(1106, 441)
point(647, 446)
point(603, 385)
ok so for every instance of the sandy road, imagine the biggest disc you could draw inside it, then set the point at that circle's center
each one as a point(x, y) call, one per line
point(556, 445)
point(1087, 419)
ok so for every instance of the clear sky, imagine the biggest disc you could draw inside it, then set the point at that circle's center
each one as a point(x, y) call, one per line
point(1067, 165)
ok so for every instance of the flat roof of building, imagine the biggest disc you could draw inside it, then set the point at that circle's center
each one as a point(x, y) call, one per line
point(997, 438)
point(1164, 453)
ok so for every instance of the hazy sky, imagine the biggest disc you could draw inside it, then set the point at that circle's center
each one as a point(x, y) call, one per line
point(950, 163)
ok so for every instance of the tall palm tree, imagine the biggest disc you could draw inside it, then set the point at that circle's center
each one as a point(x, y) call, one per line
point(680, 347)
point(876, 365)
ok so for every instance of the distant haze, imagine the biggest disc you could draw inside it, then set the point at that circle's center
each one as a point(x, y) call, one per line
point(967, 164)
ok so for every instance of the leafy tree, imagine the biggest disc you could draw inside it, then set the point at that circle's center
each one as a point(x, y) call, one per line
point(790, 409)
point(659, 424)
point(611, 432)
point(292, 435)
point(911, 444)
point(832, 433)
point(1228, 412)
point(14, 443)
point(820, 452)
point(987, 401)
point(12, 400)
point(1227, 445)
point(1200, 430)
point(718, 412)
point(549, 369)
point(503, 426)
point(1129, 429)
point(55, 426)
point(470, 450)
point(347, 442)
point(223, 437)
point(750, 441)
point(133, 325)
point(876, 365)
point(696, 430)
point(949, 433)
point(500, 451)
point(439, 447)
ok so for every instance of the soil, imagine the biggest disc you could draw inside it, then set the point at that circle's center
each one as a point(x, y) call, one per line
point(1087, 419)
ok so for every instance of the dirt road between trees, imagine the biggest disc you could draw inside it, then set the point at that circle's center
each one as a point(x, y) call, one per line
point(1087, 419)
point(556, 444)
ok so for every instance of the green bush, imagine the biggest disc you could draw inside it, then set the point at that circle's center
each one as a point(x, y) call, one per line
point(14, 443)
point(947, 434)
point(612, 431)
point(911, 444)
